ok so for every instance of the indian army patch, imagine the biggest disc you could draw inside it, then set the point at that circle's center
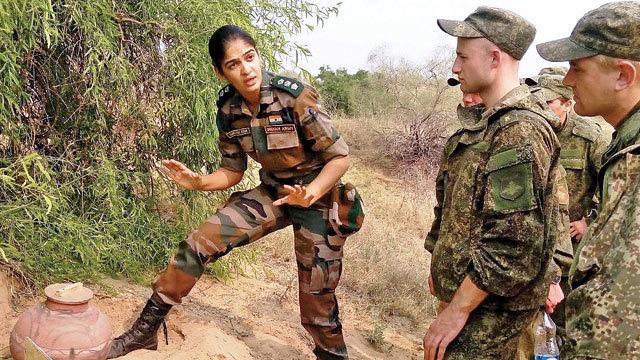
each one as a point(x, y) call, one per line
point(292, 86)
point(279, 129)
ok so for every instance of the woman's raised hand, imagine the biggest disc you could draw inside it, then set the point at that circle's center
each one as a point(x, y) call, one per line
point(181, 174)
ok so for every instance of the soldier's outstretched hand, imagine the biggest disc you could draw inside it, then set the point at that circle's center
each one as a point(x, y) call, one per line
point(297, 195)
point(181, 174)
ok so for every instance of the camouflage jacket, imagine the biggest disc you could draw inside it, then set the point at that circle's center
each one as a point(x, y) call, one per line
point(583, 142)
point(497, 217)
point(290, 136)
point(563, 256)
point(603, 310)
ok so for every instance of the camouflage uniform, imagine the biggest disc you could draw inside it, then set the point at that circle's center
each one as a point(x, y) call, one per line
point(497, 220)
point(554, 70)
point(292, 139)
point(603, 309)
point(583, 142)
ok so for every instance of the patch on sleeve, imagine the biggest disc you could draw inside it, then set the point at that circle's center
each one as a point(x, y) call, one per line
point(510, 181)
point(292, 86)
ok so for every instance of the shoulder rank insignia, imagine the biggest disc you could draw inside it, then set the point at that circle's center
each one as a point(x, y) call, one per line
point(224, 94)
point(292, 86)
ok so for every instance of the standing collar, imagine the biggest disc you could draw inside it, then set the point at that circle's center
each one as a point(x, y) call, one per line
point(266, 95)
point(514, 98)
point(626, 134)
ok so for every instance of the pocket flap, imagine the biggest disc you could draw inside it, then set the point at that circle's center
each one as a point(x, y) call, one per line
point(572, 164)
point(281, 136)
point(509, 158)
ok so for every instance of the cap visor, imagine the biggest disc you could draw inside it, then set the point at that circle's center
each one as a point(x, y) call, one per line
point(458, 28)
point(549, 95)
point(563, 50)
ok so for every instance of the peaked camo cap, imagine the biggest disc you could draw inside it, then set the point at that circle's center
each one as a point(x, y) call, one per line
point(613, 30)
point(509, 31)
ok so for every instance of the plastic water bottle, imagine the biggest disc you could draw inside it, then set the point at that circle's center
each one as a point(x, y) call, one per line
point(545, 346)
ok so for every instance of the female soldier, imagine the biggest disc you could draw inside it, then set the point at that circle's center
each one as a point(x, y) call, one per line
point(278, 122)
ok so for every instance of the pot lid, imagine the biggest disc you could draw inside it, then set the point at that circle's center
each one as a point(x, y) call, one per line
point(68, 293)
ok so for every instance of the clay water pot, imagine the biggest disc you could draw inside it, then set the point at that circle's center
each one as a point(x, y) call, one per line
point(65, 326)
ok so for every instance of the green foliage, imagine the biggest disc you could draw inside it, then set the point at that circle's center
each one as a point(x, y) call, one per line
point(339, 88)
point(404, 109)
point(375, 337)
point(391, 86)
point(92, 94)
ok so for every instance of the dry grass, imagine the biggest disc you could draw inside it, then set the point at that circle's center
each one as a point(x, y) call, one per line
point(407, 148)
point(386, 260)
point(385, 264)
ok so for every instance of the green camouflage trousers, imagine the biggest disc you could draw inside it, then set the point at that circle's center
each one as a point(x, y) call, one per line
point(246, 217)
point(490, 334)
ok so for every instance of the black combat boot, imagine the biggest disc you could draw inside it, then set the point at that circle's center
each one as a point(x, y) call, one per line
point(144, 332)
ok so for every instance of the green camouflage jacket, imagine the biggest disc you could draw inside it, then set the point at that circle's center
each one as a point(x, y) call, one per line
point(583, 142)
point(497, 218)
point(603, 310)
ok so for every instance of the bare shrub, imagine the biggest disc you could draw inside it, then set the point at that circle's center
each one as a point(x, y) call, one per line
point(404, 114)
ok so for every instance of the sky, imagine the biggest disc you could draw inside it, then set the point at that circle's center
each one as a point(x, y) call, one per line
point(408, 29)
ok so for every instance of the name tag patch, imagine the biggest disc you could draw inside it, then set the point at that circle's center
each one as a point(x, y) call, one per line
point(278, 129)
point(239, 132)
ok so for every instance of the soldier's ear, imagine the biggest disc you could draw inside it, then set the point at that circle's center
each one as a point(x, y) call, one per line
point(627, 75)
point(497, 57)
point(567, 104)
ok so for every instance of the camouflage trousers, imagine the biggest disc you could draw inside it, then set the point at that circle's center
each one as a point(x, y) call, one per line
point(246, 217)
point(490, 334)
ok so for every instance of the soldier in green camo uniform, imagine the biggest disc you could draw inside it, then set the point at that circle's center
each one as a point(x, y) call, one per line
point(582, 142)
point(497, 217)
point(603, 308)
point(279, 123)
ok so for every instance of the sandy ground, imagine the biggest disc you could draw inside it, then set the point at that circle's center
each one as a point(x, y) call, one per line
point(255, 314)
point(247, 318)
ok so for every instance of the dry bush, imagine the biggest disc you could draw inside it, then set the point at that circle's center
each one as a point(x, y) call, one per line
point(385, 264)
point(405, 113)
point(407, 149)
